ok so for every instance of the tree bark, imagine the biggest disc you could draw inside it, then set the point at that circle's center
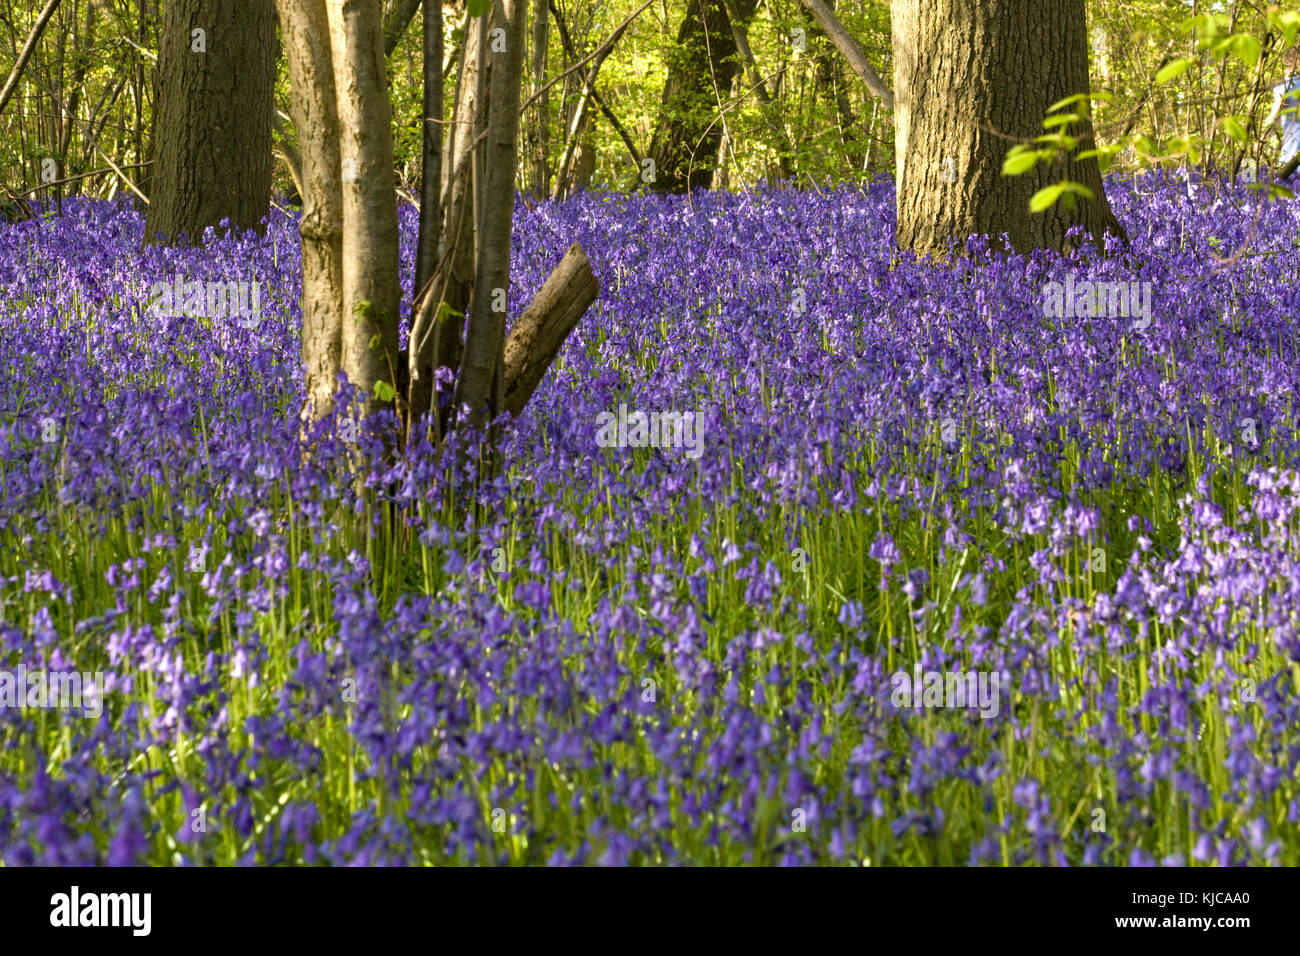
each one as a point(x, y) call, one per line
point(537, 139)
point(971, 79)
point(213, 118)
point(444, 310)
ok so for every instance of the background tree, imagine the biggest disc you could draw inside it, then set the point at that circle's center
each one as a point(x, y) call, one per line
point(213, 124)
point(688, 130)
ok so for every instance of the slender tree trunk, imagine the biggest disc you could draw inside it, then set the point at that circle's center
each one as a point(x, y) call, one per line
point(571, 52)
point(852, 51)
point(971, 79)
point(537, 146)
point(305, 26)
point(481, 382)
point(370, 248)
point(213, 117)
point(566, 175)
point(460, 219)
point(399, 18)
point(420, 347)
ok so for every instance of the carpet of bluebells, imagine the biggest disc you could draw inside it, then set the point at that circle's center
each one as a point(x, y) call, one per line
point(317, 652)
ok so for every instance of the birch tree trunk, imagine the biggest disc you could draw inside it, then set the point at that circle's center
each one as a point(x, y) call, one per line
point(971, 79)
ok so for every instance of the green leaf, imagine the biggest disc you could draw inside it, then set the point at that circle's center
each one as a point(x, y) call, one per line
point(1245, 48)
point(476, 8)
point(374, 342)
point(1061, 104)
point(1018, 161)
point(1173, 70)
point(1059, 140)
point(1062, 120)
point(1233, 127)
point(384, 392)
point(1046, 197)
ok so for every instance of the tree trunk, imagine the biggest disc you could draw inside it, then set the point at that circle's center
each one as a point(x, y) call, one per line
point(399, 18)
point(420, 376)
point(370, 250)
point(537, 139)
point(213, 120)
point(445, 308)
point(314, 110)
point(480, 384)
point(971, 79)
point(687, 132)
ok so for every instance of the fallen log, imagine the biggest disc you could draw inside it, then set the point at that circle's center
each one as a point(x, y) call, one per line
point(547, 321)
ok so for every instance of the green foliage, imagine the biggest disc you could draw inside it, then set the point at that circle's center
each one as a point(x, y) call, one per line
point(1172, 90)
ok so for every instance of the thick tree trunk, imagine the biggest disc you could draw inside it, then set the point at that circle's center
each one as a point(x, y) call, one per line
point(213, 121)
point(370, 249)
point(687, 133)
point(971, 79)
point(314, 110)
point(480, 384)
